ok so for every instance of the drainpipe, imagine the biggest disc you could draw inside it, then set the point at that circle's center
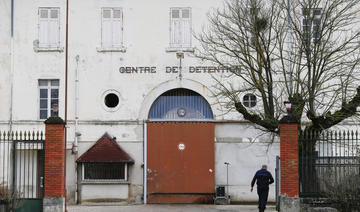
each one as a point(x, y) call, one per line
point(145, 162)
point(66, 90)
point(11, 66)
point(11, 89)
point(77, 134)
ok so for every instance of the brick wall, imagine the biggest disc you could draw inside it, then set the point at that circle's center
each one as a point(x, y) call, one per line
point(289, 158)
point(54, 160)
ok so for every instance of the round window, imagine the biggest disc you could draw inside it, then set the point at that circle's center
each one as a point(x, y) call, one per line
point(111, 100)
point(249, 100)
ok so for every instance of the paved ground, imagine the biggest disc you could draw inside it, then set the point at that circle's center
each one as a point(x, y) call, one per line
point(165, 208)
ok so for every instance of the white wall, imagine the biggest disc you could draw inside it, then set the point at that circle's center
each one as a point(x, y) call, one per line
point(4, 60)
point(246, 149)
point(146, 37)
point(100, 192)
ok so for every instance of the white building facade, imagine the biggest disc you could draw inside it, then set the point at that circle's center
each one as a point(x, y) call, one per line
point(122, 56)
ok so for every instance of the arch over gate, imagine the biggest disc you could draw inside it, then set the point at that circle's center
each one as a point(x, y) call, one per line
point(180, 148)
point(193, 85)
point(180, 104)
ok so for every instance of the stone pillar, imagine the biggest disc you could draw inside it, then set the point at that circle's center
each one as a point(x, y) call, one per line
point(54, 170)
point(289, 165)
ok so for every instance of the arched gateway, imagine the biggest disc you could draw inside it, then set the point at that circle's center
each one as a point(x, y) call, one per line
point(180, 149)
point(180, 104)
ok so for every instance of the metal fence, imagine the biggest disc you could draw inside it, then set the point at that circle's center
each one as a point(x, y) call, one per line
point(277, 183)
point(325, 159)
point(22, 168)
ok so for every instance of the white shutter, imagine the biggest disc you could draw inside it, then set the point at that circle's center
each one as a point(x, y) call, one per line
point(180, 34)
point(186, 32)
point(54, 28)
point(175, 33)
point(49, 27)
point(43, 27)
point(186, 28)
point(106, 29)
point(172, 32)
point(117, 28)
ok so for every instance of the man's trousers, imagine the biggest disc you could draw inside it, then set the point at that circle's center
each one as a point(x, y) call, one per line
point(263, 196)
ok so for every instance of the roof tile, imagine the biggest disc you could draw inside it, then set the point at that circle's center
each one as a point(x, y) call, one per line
point(105, 150)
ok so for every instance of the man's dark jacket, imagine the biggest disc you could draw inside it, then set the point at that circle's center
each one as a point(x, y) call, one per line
point(263, 179)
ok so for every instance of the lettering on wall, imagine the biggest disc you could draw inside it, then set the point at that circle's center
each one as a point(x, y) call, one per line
point(175, 69)
point(137, 70)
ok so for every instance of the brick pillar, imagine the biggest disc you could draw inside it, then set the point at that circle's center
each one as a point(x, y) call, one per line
point(289, 165)
point(54, 170)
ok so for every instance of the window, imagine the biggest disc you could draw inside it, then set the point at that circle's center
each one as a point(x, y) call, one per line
point(249, 100)
point(105, 171)
point(312, 23)
point(49, 98)
point(180, 104)
point(105, 161)
point(111, 100)
point(180, 27)
point(112, 28)
point(49, 28)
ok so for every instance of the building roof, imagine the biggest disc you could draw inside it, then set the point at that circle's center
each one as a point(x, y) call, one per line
point(105, 150)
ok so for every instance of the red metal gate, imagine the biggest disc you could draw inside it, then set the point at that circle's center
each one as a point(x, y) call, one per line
point(180, 162)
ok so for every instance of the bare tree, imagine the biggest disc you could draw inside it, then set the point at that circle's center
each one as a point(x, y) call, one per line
point(307, 52)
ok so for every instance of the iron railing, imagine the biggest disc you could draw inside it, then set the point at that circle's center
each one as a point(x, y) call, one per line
point(277, 183)
point(326, 158)
point(21, 165)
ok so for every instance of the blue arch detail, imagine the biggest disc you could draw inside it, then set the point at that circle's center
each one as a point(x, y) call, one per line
point(180, 104)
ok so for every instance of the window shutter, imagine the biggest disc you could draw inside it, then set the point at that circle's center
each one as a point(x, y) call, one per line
point(106, 32)
point(186, 35)
point(49, 27)
point(180, 34)
point(43, 27)
point(186, 28)
point(175, 33)
point(117, 28)
point(54, 28)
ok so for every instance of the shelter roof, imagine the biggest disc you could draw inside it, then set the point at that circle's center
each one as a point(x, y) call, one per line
point(105, 150)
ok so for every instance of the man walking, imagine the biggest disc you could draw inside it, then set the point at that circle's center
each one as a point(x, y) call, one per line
point(263, 179)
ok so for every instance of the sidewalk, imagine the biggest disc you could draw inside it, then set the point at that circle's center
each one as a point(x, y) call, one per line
point(165, 208)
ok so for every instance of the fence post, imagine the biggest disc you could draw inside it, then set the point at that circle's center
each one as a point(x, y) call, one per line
point(54, 168)
point(289, 165)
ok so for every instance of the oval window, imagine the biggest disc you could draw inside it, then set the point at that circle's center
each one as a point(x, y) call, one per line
point(249, 100)
point(111, 100)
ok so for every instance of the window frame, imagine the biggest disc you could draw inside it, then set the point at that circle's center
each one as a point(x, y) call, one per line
point(249, 101)
point(39, 46)
point(311, 24)
point(113, 47)
point(48, 87)
point(111, 109)
point(185, 47)
point(126, 172)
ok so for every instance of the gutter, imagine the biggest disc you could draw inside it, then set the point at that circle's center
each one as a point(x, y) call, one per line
point(77, 134)
point(145, 164)
point(66, 90)
point(11, 66)
point(75, 145)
